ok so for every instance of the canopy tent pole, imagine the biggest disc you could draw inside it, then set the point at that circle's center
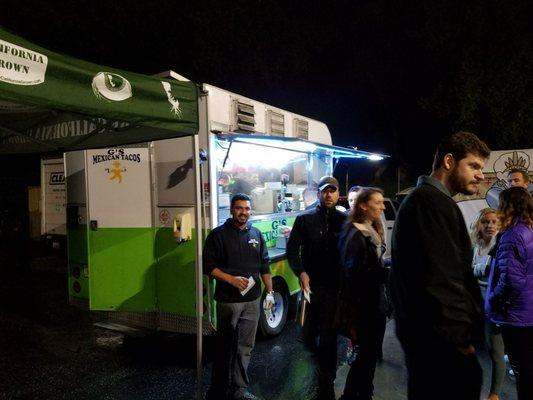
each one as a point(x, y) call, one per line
point(199, 269)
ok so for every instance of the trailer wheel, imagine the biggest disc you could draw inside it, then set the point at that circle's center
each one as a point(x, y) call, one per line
point(272, 322)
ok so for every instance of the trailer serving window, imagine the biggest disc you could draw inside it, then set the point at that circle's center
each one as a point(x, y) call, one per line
point(280, 179)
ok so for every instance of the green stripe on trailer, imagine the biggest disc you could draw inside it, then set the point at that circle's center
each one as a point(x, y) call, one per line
point(122, 269)
point(176, 265)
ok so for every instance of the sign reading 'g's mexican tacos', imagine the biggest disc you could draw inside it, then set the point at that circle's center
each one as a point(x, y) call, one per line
point(21, 66)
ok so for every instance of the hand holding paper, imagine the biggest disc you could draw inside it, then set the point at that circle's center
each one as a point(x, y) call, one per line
point(251, 283)
point(240, 282)
point(304, 285)
point(307, 295)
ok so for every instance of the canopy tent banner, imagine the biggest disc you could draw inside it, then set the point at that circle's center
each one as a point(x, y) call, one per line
point(52, 102)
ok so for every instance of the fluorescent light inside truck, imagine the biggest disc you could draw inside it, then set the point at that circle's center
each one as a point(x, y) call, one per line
point(296, 145)
point(242, 154)
point(299, 145)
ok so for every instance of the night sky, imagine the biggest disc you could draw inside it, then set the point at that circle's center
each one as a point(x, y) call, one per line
point(385, 76)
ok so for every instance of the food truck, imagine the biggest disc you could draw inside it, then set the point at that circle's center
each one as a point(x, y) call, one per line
point(150, 164)
point(131, 209)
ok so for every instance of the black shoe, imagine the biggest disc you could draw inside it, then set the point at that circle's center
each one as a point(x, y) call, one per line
point(247, 396)
point(217, 396)
point(326, 394)
point(355, 397)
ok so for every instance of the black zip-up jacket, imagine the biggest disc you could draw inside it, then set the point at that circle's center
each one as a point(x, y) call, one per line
point(312, 245)
point(238, 252)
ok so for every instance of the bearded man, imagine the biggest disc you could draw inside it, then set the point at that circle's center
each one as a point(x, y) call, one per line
point(437, 302)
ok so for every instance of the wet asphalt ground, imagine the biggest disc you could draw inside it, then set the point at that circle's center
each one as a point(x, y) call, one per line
point(51, 350)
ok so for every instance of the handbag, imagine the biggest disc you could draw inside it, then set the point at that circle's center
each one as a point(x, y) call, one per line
point(346, 318)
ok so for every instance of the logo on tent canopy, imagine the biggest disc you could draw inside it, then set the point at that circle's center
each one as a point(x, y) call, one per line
point(112, 87)
point(174, 103)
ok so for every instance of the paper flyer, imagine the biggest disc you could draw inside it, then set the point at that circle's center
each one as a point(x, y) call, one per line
point(307, 295)
point(251, 283)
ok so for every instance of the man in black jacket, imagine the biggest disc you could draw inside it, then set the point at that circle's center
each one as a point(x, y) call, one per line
point(314, 258)
point(437, 302)
point(235, 254)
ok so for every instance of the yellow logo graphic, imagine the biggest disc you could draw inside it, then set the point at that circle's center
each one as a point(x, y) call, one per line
point(116, 171)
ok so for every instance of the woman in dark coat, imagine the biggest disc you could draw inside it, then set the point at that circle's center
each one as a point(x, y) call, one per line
point(509, 301)
point(361, 246)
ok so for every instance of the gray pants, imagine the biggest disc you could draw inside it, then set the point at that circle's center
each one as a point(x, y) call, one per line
point(495, 347)
point(236, 329)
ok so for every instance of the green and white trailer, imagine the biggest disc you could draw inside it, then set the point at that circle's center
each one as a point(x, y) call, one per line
point(133, 239)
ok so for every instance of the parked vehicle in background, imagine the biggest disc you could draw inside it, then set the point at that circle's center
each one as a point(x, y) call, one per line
point(387, 218)
point(53, 203)
point(402, 195)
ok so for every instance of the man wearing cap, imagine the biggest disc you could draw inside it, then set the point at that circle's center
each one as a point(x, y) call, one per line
point(313, 256)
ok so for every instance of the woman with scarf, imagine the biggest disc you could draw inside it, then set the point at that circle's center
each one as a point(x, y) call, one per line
point(361, 245)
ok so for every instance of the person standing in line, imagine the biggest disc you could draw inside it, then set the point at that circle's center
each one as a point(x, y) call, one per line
point(509, 299)
point(362, 287)
point(483, 235)
point(436, 299)
point(353, 192)
point(313, 256)
point(309, 197)
point(353, 348)
point(235, 254)
point(518, 177)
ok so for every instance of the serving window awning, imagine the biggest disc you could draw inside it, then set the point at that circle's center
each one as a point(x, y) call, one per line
point(51, 102)
point(300, 145)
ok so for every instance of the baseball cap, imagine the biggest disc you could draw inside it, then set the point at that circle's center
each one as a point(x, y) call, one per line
point(327, 181)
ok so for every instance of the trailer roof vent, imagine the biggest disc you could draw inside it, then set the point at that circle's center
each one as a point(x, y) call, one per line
point(301, 129)
point(275, 123)
point(244, 116)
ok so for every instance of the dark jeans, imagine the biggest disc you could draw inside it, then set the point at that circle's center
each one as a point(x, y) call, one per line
point(321, 320)
point(361, 375)
point(519, 346)
point(436, 369)
point(236, 329)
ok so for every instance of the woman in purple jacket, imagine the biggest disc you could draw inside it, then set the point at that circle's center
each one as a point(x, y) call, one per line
point(510, 297)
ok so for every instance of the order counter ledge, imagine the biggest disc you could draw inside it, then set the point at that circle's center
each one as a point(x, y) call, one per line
point(274, 253)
